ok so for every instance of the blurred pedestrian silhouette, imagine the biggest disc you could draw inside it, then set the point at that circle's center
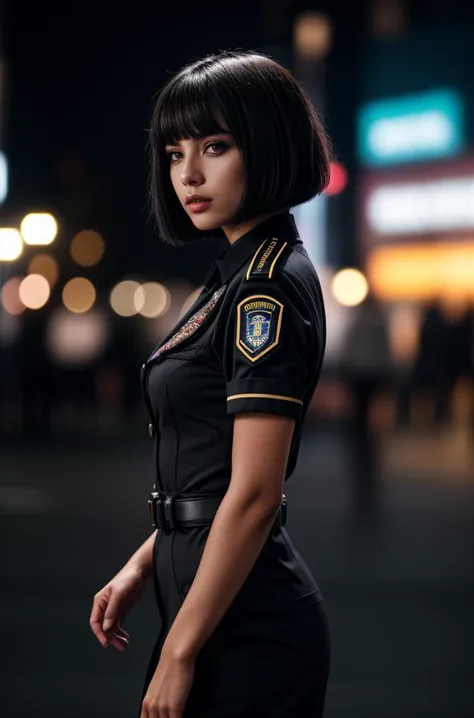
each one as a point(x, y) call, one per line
point(444, 355)
point(366, 361)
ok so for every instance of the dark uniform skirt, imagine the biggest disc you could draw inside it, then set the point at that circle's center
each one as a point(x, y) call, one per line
point(263, 659)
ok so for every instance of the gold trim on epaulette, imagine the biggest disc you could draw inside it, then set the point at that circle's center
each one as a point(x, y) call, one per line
point(262, 259)
point(254, 258)
point(275, 260)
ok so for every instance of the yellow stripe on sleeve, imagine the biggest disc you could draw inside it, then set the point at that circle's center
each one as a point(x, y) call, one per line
point(264, 396)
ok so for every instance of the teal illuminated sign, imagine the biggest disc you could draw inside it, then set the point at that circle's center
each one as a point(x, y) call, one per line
point(412, 128)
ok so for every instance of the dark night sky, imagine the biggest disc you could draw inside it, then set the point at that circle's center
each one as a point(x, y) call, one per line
point(83, 75)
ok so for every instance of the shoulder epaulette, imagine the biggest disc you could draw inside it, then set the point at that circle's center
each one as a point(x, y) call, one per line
point(267, 259)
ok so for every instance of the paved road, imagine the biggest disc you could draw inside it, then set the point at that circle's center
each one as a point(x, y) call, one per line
point(399, 594)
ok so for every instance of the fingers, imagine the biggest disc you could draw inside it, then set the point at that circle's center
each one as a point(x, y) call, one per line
point(99, 608)
point(104, 621)
point(111, 616)
point(121, 632)
point(118, 638)
point(118, 642)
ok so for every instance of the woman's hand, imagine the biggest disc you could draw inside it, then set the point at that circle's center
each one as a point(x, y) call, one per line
point(112, 604)
point(169, 688)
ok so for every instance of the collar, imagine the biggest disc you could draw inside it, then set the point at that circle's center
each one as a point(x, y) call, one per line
point(281, 226)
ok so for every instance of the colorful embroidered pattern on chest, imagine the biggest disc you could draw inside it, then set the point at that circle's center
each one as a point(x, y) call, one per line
point(191, 325)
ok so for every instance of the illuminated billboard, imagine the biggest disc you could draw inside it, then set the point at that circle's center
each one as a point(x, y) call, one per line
point(418, 203)
point(422, 126)
point(416, 231)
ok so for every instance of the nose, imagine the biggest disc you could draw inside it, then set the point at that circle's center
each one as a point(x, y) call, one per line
point(191, 174)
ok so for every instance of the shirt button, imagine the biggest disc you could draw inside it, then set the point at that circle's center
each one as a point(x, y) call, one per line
point(151, 430)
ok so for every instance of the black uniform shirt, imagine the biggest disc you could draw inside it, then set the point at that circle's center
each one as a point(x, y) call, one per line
point(253, 342)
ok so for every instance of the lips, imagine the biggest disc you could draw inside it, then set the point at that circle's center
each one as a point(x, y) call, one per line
point(198, 203)
point(197, 198)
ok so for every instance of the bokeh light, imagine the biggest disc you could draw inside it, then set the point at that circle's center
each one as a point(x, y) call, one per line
point(47, 266)
point(11, 244)
point(38, 228)
point(422, 272)
point(152, 299)
point(312, 34)
point(79, 295)
point(349, 287)
point(337, 180)
point(3, 173)
point(87, 248)
point(11, 296)
point(76, 339)
point(388, 18)
point(122, 298)
point(34, 291)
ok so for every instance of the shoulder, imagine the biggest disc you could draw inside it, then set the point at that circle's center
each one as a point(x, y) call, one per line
point(285, 270)
point(274, 294)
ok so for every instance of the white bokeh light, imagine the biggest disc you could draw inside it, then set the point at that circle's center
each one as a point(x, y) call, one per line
point(38, 228)
point(11, 244)
point(152, 299)
point(122, 298)
point(34, 291)
point(76, 339)
point(349, 287)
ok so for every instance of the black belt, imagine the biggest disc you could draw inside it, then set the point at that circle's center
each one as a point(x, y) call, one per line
point(172, 512)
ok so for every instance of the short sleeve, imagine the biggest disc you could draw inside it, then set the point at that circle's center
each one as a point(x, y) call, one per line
point(266, 351)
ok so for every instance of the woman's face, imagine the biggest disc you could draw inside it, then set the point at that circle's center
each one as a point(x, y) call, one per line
point(210, 169)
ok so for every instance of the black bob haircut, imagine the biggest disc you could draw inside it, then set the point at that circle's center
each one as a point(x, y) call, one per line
point(284, 145)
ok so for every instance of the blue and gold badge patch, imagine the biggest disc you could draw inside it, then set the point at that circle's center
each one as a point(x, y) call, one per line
point(258, 325)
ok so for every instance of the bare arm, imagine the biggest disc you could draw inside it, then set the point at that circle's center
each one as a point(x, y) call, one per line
point(261, 445)
point(143, 556)
point(113, 602)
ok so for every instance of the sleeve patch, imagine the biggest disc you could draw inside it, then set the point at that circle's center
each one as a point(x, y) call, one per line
point(258, 325)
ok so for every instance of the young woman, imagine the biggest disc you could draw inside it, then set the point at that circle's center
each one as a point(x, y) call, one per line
point(234, 145)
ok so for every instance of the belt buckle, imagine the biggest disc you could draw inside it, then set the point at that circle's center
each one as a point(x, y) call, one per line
point(162, 510)
point(155, 509)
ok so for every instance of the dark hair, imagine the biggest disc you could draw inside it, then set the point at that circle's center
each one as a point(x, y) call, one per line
point(284, 145)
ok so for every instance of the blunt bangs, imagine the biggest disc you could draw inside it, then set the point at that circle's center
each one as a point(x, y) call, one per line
point(284, 145)
point(188, 110)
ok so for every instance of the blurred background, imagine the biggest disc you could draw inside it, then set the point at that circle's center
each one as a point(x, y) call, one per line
point(381, 503)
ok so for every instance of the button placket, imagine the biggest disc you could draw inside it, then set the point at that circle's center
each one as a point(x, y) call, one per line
point(152, 429)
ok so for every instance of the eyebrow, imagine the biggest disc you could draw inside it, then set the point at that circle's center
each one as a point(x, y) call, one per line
point(203, 137)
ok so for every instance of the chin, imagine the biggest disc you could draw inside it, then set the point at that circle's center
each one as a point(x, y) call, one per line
point(206, 223)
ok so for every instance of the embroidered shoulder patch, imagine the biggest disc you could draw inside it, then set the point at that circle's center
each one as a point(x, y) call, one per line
point(266, 259)
point(258, 325)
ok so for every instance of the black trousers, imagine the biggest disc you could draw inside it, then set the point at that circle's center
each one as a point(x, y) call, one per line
point(272, 664)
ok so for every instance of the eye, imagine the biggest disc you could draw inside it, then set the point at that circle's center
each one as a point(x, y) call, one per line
point(218, 148)
point(173, 155)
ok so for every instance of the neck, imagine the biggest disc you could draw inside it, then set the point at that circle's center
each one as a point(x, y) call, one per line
point(233, 232)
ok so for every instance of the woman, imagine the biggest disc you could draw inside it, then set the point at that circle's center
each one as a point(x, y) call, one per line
point(234, 144)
